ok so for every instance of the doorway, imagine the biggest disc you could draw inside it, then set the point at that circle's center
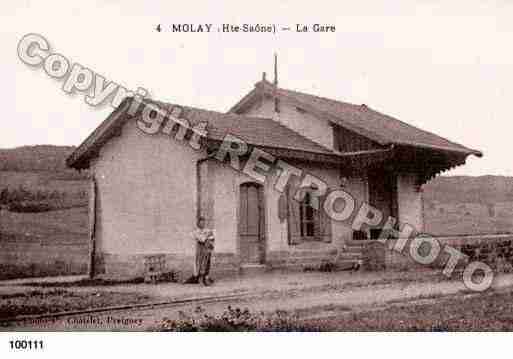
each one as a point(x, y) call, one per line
point(382, 196)
point(251, 224)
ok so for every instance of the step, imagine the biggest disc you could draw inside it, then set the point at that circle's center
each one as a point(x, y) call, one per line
point(350, 255)
point(253, 268)
point(353, 249)
point(346, 264)
point(355, 244)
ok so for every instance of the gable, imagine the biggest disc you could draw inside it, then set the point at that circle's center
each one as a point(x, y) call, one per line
point(296, 118)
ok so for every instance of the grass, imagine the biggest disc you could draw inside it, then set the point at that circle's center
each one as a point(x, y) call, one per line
point(232, 320)
point(47, 227)
point(43, 244)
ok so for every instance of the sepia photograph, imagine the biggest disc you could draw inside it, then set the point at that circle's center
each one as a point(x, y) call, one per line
point(261, 167)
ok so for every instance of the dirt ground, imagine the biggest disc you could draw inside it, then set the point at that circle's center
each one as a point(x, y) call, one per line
point(311, 296)
point(489, 311)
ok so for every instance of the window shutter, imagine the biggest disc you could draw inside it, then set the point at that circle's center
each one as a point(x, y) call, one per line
point(325, 226)
point(294, 230)
point(324, 222)
point(282, 207)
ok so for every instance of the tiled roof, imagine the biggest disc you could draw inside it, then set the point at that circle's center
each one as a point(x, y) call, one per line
point(252, 130)
point(255, 131)
point(361, 119)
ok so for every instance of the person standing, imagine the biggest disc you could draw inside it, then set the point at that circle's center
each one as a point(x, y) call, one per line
point(204, 239)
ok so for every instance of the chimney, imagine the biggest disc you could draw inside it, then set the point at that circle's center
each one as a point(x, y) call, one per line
point(275, 70)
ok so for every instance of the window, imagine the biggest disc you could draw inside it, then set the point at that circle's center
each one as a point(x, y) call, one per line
point(305, 222)
point(309, 217)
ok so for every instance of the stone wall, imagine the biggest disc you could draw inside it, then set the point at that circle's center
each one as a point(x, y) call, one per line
point(494, 250)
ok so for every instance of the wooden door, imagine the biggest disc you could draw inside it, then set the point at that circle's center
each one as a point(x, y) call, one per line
point(383, 196)
point(251, 224)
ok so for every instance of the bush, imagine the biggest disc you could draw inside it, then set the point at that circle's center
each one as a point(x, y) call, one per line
point(4, 196)
point(8, 196)
point(30, 207)
point(23, 200)
point(233, 320)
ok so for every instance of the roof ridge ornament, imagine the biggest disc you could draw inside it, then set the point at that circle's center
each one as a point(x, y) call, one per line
point(276, 115)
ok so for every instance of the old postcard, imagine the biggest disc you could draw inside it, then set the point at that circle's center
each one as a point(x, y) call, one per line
point(270, 166)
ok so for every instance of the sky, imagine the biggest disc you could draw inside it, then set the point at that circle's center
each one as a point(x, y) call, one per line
point(446, 67)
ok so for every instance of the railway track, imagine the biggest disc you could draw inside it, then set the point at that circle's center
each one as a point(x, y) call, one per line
point(130, 307)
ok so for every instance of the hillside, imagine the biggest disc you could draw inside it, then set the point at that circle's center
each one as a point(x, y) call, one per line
point(40, 158)
point(34, 158)
point(38, 177)
point(468, 205)
point(466, 189)
point(43, 213)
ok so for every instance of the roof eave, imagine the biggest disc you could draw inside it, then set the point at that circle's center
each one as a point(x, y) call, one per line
point(466, 151)
point(339, 158)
